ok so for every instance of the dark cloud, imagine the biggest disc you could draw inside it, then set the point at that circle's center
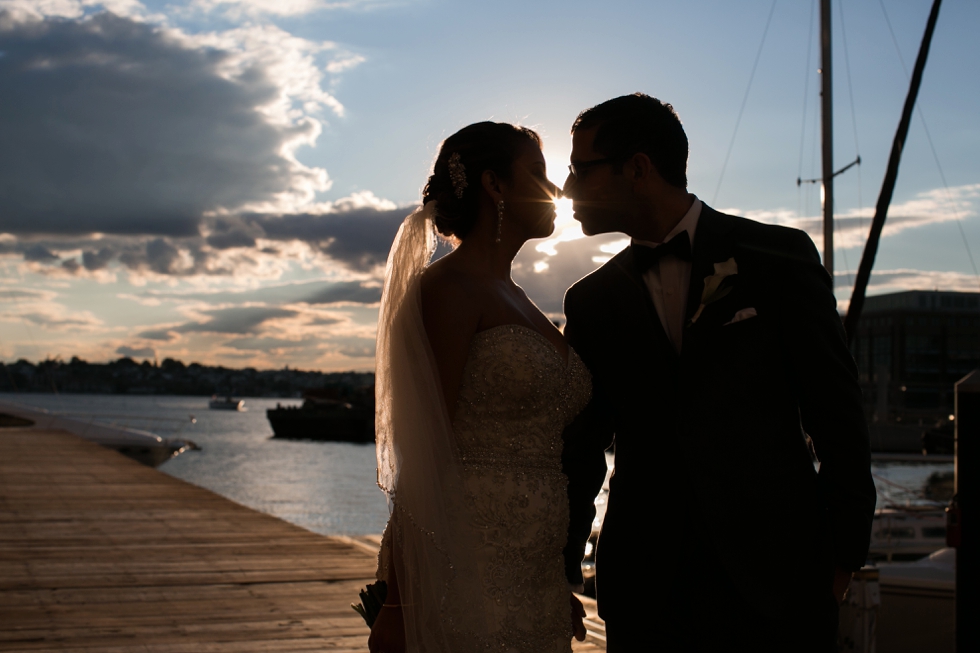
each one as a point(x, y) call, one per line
point(116, 127)
point(238, 319)
point(325, 321)
point(231, 239)
point(20, 294)
point(359, 238)
point(93, 260)
point(39, 253)
point(165, 335)
point(351, 291)
point(136, 352)
point(303, 292)
point(110, 125)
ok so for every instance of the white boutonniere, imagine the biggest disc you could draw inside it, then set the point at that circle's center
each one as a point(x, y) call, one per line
point(711, 292)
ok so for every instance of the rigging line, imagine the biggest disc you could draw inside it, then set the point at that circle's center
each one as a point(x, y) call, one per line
point(806, 95)
point(745, 99)
point(814, 150)
point(935, 155)
point(850, 86)
point(843, 251)
point(850, 95)
point(949, 200)
point(806, 88)
point(888, 22)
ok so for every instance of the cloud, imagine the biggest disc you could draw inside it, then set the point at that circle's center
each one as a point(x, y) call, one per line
point(237, 319)
point(97, 260)
point(254, 8)
point(546, 278)
point(358, 234)
point(115, 126)
point(902, 279)
point(54, 317)
point(358, 348)
point(252, 244)
point(39, 253)
point(354, 292)
point(325, 321)
point(851, 227)
point(897, 280)
point(317, 291)
point(134, 352)
point(165, 335)
point(267, 344)
point(8, 295)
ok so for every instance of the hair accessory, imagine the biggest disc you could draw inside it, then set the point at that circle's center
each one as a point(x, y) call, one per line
point(457, 175)
point(500, 219)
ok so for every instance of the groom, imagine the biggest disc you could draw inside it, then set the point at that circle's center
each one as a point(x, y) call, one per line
point(716, 351)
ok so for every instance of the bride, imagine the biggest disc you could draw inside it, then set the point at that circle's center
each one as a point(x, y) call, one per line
point(474, 388)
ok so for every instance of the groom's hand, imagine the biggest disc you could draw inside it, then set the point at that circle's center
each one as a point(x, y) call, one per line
point(842, 578)
point(578, 614)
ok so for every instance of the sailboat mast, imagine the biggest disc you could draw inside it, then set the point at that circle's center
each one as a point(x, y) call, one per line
point(827, 137)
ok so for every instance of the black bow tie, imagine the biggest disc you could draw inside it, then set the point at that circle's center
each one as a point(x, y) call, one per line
point(646, 257)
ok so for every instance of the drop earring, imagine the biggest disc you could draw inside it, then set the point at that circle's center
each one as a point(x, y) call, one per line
point(500, 219)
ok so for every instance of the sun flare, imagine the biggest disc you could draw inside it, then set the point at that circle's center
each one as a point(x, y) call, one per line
point(566, 229)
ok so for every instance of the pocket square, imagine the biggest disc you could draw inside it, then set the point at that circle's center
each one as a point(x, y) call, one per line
point(743, 314)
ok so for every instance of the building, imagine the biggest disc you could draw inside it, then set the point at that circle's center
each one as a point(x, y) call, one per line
point(911, 348)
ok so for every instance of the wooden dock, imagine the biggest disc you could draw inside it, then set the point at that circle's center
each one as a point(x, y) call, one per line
point(99, 553)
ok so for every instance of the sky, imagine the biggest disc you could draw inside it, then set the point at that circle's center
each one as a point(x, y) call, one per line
point(219, 181)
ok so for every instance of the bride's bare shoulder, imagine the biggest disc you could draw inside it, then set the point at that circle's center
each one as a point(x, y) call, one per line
point(450, 293)
point(444, 281)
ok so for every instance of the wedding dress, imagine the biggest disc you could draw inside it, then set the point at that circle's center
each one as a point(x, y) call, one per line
point(479, 505)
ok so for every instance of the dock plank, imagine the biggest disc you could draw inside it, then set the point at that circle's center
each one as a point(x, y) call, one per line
point(99, 553)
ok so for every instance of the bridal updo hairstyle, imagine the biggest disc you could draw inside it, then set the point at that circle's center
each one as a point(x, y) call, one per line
point(481, 146)
point(639, 123)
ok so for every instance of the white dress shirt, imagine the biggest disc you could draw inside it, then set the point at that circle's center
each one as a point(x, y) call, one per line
point(668, 281)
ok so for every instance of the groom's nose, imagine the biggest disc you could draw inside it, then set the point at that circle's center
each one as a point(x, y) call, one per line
point(566, 190)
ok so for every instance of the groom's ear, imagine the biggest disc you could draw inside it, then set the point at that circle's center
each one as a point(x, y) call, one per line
point(640, 169)
point(639, 166)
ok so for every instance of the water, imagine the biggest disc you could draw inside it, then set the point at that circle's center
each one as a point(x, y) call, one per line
point(326, 487)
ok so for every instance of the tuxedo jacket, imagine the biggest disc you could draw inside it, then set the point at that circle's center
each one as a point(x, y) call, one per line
point(711, 456)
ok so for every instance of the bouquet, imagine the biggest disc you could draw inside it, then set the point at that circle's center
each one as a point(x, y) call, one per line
point(372, 598)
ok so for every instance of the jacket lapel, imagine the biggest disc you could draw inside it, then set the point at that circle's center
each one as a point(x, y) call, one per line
point(712, 244)
point(627, 266)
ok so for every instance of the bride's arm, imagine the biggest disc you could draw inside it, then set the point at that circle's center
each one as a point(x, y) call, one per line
point(451, 315)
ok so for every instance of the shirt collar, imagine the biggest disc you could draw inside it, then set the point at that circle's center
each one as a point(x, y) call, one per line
point(688, 223)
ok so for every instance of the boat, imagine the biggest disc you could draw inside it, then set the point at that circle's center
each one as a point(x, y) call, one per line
point(907, 533)
point(918, 604)
point(226, 404)
point(324, 417)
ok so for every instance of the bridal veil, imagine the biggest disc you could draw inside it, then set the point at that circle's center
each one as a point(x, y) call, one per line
point(418, 463)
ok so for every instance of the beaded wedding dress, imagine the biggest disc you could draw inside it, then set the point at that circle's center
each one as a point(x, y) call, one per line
point(516, 397)
point(479, 505)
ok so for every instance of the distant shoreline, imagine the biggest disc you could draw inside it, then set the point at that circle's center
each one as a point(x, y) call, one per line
point(171, 377)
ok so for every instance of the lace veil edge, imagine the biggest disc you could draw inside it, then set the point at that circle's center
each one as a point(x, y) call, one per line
point(418, 464)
